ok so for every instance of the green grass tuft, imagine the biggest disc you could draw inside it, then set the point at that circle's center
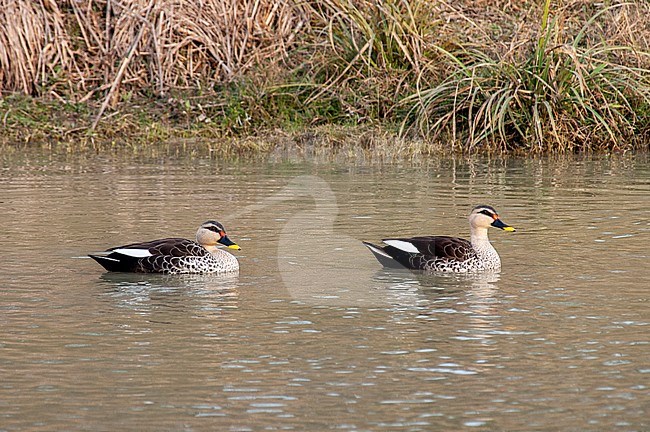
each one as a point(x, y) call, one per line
point(561, 96)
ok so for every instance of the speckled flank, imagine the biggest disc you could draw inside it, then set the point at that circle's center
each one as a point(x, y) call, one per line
point(473, 264)
point(216, 262)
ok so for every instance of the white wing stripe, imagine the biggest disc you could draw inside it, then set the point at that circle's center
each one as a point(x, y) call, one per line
point(378, 251)
point(402, 245)
point(135, 253)
point(109, 259)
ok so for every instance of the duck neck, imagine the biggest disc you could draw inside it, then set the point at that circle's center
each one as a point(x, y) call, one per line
point(213, 249)
point(481, 243)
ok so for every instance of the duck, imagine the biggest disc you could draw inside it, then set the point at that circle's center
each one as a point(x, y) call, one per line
point(443, 253)
point(174, 255)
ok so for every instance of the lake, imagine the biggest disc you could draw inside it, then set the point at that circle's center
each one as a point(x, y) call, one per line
point(313, 334)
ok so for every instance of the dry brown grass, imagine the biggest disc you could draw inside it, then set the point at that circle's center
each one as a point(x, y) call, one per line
point(34, 44)
point(501, 26)
point(76, 48)
point(172, 43)
point(561, 84)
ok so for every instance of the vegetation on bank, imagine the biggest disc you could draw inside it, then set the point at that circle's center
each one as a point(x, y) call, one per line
point(531, 76)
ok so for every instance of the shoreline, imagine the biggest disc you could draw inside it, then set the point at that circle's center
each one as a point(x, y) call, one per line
point(35, 122)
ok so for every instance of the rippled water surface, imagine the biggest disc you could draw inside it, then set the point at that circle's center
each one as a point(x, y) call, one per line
point(313, 334)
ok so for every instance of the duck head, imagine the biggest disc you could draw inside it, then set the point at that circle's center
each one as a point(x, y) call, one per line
point(212, 232)
point(485, 216)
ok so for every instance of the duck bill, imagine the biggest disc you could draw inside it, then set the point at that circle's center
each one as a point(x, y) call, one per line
point(224, 240)
point(499, 224)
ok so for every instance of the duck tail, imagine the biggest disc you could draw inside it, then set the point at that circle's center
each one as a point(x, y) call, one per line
point(112, 263)
point(383, 257)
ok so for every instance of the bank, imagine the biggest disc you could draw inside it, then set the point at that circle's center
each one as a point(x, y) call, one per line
point(400, 76)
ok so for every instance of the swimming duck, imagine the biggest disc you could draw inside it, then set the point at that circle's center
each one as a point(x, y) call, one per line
point(446, 254)
point(174, 255)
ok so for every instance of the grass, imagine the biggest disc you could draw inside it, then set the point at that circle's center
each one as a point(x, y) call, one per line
point(561, 95)
point(506, 76)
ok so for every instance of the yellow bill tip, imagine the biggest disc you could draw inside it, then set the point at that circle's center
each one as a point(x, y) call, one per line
point(234, 246)
point(509, 229)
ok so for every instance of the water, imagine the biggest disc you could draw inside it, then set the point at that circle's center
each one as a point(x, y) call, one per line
point(313, 334)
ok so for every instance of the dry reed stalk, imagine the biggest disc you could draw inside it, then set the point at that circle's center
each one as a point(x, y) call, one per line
point(123, 66)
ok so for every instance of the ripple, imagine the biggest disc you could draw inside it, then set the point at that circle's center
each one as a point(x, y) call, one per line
point(443, 370)
point(474, 423)
point(562, 329)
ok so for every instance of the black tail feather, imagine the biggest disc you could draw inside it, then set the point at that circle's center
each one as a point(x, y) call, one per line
point(113, 264)
point(384, 258)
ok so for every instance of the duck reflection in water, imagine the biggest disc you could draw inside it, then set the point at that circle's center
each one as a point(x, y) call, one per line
point(149, 293)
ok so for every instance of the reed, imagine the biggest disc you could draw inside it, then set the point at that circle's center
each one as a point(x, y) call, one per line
point(560, 95)
point(77, 48)
point(468, 75)
point(34, 45)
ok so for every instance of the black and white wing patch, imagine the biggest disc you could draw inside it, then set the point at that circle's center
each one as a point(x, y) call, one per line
point(174, 247)
point(451, 248)
point(157, 256)
point(422, 253)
